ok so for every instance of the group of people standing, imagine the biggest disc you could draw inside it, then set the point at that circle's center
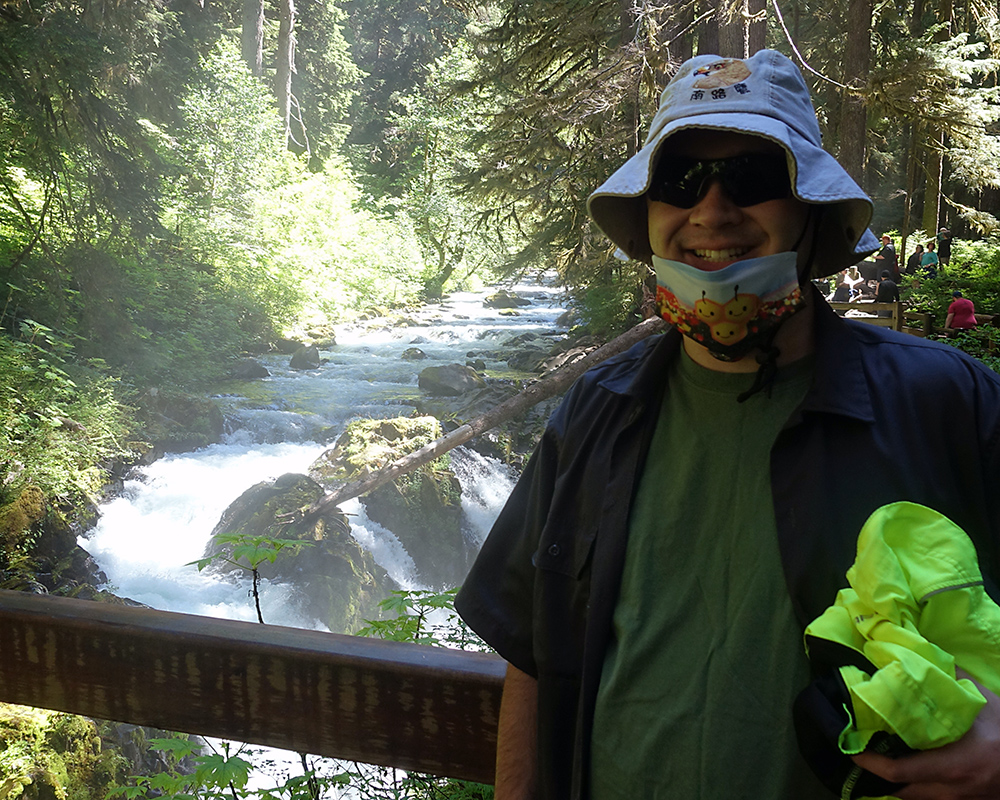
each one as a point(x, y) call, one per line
point(925, 259)
point(853, 284)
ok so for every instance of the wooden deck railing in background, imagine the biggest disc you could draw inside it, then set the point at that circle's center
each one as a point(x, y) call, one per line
point(894, 318)
point(408, 706)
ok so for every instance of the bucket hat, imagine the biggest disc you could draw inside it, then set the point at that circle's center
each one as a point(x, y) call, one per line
point(764, 95)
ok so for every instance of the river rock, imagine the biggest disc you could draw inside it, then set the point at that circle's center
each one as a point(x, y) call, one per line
point(306, 358)
point(423, 508)
point(413, 354)
point(339, 583)
point(505, 299)
point(323, 336)
point(50, 755)
point(175, 422)
point(450, 379)
point(249, 369)
point(288, 347)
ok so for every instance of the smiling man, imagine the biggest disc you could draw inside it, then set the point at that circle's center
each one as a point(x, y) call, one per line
point(681, 520)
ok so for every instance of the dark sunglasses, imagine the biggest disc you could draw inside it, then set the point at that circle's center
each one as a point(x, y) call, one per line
point(747, 179)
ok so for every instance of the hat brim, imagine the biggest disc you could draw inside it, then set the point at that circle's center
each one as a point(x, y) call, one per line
point(618, 206)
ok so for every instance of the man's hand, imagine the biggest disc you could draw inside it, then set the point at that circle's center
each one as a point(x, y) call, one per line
point(968, 768)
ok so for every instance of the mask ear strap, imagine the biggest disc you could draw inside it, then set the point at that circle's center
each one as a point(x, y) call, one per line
point(768, 357)
point(813, 214)
point(768, 369)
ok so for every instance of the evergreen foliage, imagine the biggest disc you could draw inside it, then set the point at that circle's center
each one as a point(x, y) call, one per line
point(60, 422)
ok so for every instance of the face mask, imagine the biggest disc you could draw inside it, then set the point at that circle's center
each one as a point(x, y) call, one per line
point(733, 310)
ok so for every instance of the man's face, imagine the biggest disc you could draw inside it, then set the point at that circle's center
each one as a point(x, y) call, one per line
point(715, 232)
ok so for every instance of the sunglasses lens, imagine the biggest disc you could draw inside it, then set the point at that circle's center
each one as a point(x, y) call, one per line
point(747, 180)
point(678, 181)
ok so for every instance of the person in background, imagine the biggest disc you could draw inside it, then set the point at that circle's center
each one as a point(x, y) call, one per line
point(929, 261)
point(842, 294)
point(913, 262)
point(887, 292)
point(944, 246)
point(887, 259)
point(649, 579)
point(961, 313)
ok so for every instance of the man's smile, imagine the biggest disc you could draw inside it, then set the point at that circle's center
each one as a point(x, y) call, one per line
point(726, 254)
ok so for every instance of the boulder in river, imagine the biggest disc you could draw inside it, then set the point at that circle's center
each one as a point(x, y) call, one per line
point(339, 583)
point(450, 379)
point(505, 299)
point(249, 369)
point(423, 508)
point(306, 358)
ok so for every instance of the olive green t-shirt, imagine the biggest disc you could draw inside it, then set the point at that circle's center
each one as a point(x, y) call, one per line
point(706, 656)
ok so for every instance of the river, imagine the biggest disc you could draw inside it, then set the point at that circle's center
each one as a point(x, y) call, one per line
point(146, 538)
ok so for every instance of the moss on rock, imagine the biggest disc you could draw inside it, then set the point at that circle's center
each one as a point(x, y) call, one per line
point(339, 582)
point(423, 508)
point(48, 755)
point(19, 516)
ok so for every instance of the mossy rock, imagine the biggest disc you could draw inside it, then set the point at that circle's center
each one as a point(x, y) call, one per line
point(367, 445)
point(423, 508)
point(338, 582)
point(176, 422)
point(48, 755)
point(18, 517)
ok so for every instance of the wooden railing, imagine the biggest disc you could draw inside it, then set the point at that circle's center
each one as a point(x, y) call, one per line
point(421, 708)
point(893, 319)
point(898, 318)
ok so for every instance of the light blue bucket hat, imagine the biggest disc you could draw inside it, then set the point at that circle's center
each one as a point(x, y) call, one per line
point(765, 96)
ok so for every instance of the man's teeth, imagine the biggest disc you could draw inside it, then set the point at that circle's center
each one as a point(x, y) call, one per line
point(720, 255)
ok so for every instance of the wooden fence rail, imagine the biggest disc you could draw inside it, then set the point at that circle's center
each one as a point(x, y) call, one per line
point(420, 708)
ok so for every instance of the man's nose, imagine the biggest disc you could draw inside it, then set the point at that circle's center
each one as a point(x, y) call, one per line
point(715, 208)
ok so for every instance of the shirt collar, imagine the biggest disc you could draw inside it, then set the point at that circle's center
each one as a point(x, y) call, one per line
point(841, 383)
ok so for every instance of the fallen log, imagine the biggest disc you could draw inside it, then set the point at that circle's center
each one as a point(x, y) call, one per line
point(518, 404)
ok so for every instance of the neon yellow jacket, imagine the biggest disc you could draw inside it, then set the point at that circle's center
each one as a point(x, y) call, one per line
point(916, 609)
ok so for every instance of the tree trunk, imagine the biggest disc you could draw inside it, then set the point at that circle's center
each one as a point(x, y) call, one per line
point(853, 115)
point(285, 63)
point(708, 29)
point(756, 26)
point(911, 188)
point(732, 28)
point(509, 409)
point(742, 27)
point(252, 40)
point(932, 188)
point(936, 139)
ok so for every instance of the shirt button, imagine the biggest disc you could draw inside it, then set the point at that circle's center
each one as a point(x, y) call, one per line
point(554, 550)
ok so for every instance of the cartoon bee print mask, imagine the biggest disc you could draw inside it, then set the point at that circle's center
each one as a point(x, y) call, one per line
point(732, 310)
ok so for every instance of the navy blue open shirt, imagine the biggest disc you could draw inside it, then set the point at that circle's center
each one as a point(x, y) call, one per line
point(889, 417)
